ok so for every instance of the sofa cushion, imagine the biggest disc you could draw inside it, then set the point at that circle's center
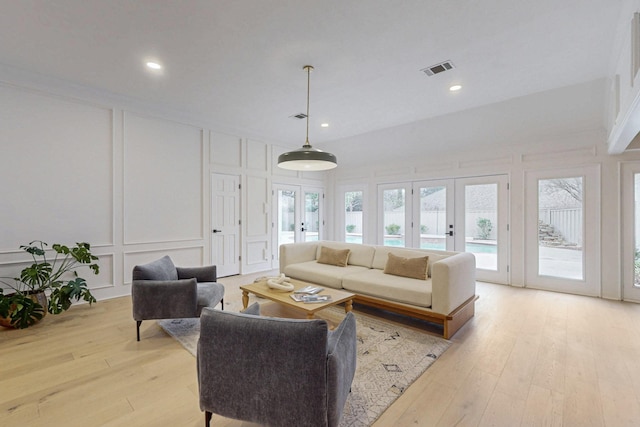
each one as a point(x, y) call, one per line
point(321, 274)
point(361, 255)
point(380, 258)
point(382, 252)
point(415, 268)
point(375, 283)
point(338, 257)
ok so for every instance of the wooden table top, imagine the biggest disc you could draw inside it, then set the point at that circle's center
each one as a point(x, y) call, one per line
point(261, 289)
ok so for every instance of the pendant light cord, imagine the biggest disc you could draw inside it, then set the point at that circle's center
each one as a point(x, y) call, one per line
point(308, 68)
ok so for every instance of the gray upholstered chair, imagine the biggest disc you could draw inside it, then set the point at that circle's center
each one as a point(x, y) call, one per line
point(272, 371)
point(160, 290)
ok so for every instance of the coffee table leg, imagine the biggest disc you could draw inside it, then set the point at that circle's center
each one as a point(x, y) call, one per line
point(309, 315)
point(245, 299)
point(348, 306)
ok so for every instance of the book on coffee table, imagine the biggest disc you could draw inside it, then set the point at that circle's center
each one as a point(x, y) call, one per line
point(309, 290)
point(310, 299)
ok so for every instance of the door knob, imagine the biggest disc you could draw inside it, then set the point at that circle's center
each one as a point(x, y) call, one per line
point(217, 231)
point(450, 233)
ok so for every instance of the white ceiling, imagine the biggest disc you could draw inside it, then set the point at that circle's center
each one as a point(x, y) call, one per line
point(236, 65)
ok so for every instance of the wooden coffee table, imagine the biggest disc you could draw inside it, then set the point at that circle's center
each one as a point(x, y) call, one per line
point(261, 289)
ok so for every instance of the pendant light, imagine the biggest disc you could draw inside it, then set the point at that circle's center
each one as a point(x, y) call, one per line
point(307, 158)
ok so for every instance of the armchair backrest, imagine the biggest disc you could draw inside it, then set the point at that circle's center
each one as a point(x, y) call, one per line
point(162, 269)
point(266, 370)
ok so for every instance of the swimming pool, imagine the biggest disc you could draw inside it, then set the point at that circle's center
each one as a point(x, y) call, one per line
point(476, 248)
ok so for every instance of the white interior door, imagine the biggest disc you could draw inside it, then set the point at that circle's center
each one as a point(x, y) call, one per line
point(225, 224)
point(631, 231)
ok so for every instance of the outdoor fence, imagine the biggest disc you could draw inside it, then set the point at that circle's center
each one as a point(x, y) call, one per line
point(568, 222)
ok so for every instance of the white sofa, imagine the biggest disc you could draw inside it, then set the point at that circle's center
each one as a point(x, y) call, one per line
point(447, 296)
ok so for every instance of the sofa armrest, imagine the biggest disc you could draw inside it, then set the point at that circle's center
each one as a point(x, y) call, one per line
point(164, 299)
point(293, 253)
point(341, 366)
point(453, 282)
point(207, 273)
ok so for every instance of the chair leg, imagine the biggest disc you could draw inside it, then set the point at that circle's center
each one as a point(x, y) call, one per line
point(207, 419)
point(138, 322)
point(222, 303)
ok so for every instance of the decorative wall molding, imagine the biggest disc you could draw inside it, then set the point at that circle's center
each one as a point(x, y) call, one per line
point(170, 180)
point(505, 160)
point(225, 150)
point(257, 156)
point(393, 172)
point(74, 139)
point(435, 167)
point(559, 154)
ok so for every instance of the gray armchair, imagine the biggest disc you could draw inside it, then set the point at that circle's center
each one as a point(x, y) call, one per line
point(160, 290)
point(272, 371)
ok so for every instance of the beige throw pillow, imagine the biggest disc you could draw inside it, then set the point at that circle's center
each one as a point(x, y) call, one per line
point(337, 257)
point(415, 268)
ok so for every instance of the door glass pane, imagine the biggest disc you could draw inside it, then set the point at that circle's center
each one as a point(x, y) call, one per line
point(394, 217)
point(286, 216)
point(433, 217)
point(481, 221)
point(560, 228)
point(311, 223)
point(636, 199)
point(353, 216)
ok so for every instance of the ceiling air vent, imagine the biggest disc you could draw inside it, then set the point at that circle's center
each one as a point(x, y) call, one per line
point(299, 116)
point(438, 68)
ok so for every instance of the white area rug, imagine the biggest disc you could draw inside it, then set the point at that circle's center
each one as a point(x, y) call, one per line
point(390, 357)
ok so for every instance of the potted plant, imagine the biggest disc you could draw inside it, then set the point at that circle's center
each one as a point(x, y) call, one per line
point(28, 302)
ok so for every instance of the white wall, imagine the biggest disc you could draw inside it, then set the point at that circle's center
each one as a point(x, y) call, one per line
point(134, 182)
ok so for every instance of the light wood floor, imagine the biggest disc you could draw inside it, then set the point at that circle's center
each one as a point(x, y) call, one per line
point(528, 358)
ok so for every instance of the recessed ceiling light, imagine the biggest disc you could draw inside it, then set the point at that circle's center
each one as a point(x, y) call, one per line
point(154, 65)
point(455, 88)
point(324, 125)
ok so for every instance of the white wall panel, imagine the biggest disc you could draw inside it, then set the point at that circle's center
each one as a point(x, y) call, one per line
point(225, 150)
point(56, 170)
point(257, 207)
point(257, 156)
point(163, 187)
point(106, 277)
point(257, 252)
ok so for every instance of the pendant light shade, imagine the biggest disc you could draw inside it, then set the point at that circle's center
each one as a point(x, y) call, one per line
point(307, 158)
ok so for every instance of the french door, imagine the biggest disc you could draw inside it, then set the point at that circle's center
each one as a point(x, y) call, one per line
point(463, 214)
point(225, 224)
point(298, 215)
point(631, 231)
point(562, 216)
point(481, 218)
